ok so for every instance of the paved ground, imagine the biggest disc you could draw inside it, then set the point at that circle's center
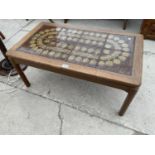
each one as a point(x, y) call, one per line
point(57, 104)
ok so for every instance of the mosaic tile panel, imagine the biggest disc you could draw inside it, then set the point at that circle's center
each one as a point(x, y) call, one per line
point(102, 51)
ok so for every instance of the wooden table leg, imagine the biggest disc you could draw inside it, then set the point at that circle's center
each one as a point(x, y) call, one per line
point(125, 24)
point(128, 100)
point(65, 20)
point(51, 20)
point(20, 72)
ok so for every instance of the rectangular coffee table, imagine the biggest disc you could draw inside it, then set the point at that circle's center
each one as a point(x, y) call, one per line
point(102, 56)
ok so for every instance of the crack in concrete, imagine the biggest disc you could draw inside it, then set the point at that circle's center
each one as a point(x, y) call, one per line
point(49, 91)
point(28, 115)
point(75, 108)
point(60, 118)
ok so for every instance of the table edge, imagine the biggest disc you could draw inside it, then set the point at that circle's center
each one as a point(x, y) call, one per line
point(133, 80)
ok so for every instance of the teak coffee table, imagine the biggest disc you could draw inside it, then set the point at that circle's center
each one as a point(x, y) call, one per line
point(101, 56)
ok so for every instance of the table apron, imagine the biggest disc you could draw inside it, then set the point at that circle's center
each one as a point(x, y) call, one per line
point(76, 74)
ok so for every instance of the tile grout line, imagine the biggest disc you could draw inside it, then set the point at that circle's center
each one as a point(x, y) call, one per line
point(75, 108)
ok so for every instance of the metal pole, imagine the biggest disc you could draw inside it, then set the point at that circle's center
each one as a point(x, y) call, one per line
point(4, 50)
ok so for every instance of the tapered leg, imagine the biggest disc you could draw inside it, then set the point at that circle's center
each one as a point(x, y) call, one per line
point(20, 72)
point(65, 20)
point(51, 20)
point(125, 24)
point(128, 100)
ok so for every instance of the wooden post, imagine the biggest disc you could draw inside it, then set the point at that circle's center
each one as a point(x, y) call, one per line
point(20, 72)
point(51, 20)
point(65, 20)
point(125, 24)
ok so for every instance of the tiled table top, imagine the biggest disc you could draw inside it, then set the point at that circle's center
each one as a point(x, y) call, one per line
point(104, 51)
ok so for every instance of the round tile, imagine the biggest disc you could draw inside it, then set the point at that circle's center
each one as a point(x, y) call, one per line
point(58, 44)
point(90, 50)
point(111, 36)
point(69, 30)
point(81, 40)
point(100, 43)
point(33, 45)
point(98, 35)
point(44, 46)
point(87, 41)
point(122, 58)
point(75, 39)
point(69, 39)
point(103, 35)
point(94, 42)
point(91, 34)
point(97, 51)
point(108, 57)
point(47, 30)
point(78, 59)
point(40, 50)
point(70, 47)
point(83, 49)
point(74, 31)
point(118, 48)
point(53, 33)
point(47, 41)
point(108, 46)
point(52, 29)
point(110, 41)
point(63, 30)
point(124, 45)
point(86, 33)
point(92, 62)
point(52, 43)
point(51, 53)
point(116, 53)
point(57, 55)
point(71, 57)
point(64, 45)
point(85, 60)
point(37, 35)
point(79, 32)
point(35, 48)
point(116, 38)
point(125, 54)
point(101, 63)
point(50, 37)
point(121, 41)
point(63, 37)
point(41, 32)
point(45, 52)
point(64, 56)
point(126, 49)
point(116, 61)
point(109, 63)
point(77, 48)
point(106, 51)
point(58, 29)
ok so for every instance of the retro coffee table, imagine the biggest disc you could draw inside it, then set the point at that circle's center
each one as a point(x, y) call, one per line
point(101, 56)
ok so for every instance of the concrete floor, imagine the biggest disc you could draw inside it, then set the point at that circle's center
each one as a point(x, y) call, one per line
point(57, 104)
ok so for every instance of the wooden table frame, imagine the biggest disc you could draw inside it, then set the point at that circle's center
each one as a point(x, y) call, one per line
point(130, 84)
